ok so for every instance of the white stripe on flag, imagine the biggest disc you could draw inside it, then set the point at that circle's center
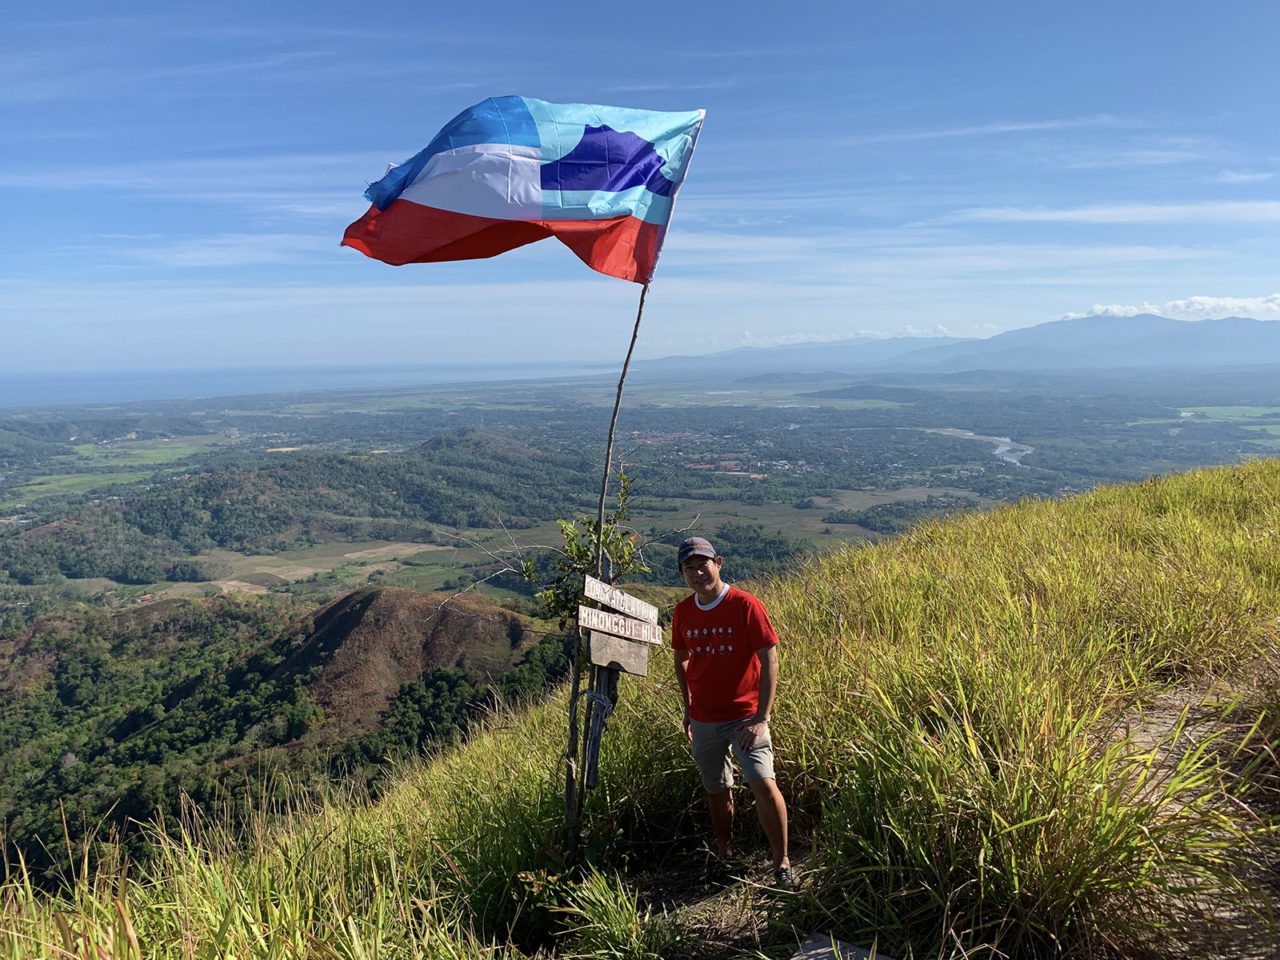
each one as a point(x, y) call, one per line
point(485, 180)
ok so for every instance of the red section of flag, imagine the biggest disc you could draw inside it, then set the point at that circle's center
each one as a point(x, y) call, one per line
point(407, 232)
point(625, 247)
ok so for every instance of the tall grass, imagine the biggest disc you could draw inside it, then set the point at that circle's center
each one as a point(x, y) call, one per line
point(954, 727)
point(968, 688)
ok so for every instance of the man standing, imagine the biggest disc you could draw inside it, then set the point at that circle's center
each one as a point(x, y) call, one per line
point(727, 668)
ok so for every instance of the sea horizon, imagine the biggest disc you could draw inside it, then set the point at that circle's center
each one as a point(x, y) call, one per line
point(89, 387)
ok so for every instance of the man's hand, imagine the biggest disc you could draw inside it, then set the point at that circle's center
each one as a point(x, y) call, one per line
point(750, 732)
point(688, 727)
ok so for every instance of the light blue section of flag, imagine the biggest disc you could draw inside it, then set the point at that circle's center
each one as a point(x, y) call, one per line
point(598, 205)
point(551, 130)
point(498, 120)
point(672, 133)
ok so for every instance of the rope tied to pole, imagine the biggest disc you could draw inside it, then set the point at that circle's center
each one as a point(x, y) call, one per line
point(602, 700)
point(602, 703)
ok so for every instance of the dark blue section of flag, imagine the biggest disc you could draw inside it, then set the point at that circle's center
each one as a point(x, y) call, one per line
point(496, 120)
point(608, 161)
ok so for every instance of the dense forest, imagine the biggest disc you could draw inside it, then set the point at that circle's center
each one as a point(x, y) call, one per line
point(109, 719)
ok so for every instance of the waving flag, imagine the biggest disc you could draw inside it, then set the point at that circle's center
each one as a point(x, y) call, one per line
point(512, 170)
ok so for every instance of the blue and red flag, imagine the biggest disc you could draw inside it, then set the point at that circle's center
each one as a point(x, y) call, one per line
point(512, 170)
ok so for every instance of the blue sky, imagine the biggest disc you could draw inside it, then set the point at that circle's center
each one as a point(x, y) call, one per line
point(174, 181)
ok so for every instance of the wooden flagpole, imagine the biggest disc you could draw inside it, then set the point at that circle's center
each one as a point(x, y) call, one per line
point(608, 450)
point(575, 773)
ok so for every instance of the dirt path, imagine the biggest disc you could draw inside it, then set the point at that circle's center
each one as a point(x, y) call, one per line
point(728, 915)
point(1231, 930)
point(731, 919)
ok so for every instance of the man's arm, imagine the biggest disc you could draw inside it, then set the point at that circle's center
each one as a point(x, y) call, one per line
point(682, 656)
point(751, 729)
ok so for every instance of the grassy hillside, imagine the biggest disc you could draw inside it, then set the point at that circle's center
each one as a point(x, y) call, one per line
point(1031, 732)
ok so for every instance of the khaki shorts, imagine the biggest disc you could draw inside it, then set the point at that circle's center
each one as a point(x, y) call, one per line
point(712, 743)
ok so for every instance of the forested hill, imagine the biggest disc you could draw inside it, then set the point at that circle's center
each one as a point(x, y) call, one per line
point(372, 643)
point(113, 717)
point(468, 479)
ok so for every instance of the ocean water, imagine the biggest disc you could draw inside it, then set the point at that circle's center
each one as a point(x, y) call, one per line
point(90, 387)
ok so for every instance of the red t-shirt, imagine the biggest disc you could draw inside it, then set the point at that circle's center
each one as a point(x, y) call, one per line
point(723, 671)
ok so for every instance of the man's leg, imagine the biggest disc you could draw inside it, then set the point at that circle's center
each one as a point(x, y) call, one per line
point(710, 744)
point(771, 810)
point(721, 805)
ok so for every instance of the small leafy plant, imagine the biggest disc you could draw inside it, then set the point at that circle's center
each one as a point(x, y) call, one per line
point(623, 555)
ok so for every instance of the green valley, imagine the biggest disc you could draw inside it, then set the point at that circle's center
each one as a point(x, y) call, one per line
point(106, 505)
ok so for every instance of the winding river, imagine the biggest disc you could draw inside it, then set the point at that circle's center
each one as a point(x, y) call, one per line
point(1006, 449)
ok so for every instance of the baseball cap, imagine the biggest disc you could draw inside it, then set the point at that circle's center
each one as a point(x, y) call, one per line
point(695, 547)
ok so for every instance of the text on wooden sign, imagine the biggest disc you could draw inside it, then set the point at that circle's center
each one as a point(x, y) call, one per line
point(623, 602)
point(617, 625)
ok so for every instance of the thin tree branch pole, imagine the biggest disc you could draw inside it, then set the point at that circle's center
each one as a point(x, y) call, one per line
point(608, 450)
point(575, 773)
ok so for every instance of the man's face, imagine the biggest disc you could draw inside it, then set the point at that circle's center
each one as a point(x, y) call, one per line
point(702, 575)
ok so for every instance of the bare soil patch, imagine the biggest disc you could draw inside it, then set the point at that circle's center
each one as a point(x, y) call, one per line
point(392, 550)
point(302, 564)
point(240, 585)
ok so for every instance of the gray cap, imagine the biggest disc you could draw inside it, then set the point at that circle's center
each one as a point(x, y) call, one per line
point(695, 547)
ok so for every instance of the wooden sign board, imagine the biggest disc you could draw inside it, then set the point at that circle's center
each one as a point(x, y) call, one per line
point(617, 625)
point(615, 599)
point(618, 654)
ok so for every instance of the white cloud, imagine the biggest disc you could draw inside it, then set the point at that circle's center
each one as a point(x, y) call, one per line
point(228, 250)
point(723, 84)
point(1192, 308)
point(937, 330)
point(879, 253)
point(1240, 176)
point(987, 129)
point(1113, 310)
point(184, 176)
point(75, 75)
point(777, 340)
point(1094, 158)
point(317, 186)
point(1223, 211)
point(1108, 152)
point(750, 339)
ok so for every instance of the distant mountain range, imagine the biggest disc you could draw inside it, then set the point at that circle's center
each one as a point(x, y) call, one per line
point(1144, 341)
